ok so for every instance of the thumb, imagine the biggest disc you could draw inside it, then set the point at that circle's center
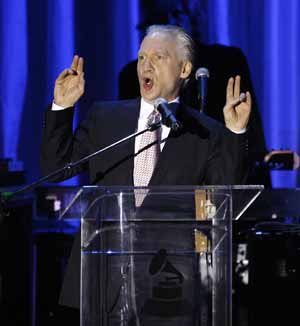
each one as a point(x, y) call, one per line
point(236, 101)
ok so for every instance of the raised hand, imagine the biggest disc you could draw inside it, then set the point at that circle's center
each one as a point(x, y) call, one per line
point(238, 106)
point(69, 86)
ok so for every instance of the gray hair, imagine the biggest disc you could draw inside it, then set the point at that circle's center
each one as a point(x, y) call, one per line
point(183, 40)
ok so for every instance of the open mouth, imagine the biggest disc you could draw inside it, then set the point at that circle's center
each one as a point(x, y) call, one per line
point(147, 83)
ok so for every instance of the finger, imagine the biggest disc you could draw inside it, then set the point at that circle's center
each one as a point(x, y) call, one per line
point(237, 86)
point(82, 82)
point(64, 74)
point(248, 99)
point(75, 62)
point(80, 65)
point(234, 102)
point(229, 89)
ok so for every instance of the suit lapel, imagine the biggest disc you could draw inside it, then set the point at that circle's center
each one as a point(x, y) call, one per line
point(128, 118)
point(169, 155)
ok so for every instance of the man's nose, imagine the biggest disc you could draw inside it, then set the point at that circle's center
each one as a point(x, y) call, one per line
point(147, 65)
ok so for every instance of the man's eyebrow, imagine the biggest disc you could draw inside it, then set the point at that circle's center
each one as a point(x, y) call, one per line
point(158, 51)
point(164, 51)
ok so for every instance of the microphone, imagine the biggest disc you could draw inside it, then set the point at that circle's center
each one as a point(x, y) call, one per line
point(202, 75)
point(167, 116)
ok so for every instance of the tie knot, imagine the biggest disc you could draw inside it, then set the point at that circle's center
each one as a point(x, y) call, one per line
point(154, 117)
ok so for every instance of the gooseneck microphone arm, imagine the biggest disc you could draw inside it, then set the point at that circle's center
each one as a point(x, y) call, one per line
point(71, 166)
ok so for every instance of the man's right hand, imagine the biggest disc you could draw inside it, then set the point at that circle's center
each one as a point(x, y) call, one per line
point(69, 86)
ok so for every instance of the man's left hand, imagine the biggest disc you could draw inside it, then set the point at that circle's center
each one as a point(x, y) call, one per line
point(238, 106)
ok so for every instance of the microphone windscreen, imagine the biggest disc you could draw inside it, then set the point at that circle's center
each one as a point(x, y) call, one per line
point(159, 101)
point(202, 72)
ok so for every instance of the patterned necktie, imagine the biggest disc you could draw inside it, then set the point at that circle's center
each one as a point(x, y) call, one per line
point(147, 156)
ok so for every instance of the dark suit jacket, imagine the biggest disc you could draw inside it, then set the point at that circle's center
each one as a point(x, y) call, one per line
point(202, 152)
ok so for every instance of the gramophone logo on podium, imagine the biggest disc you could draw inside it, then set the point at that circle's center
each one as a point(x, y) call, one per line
point(167, 298)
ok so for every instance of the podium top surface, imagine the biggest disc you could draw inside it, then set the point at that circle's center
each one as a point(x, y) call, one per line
point(168, 200)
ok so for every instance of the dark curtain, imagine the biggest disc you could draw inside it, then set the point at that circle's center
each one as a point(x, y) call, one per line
point(38, 39)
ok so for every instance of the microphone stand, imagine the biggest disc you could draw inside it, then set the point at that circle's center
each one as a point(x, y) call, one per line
point(68, 167)
point(202, 101)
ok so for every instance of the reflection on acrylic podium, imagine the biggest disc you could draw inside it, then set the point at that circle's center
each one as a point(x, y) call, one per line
point(166, 262)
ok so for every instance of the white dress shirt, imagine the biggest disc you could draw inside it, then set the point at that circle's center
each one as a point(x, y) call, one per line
point(145, 111)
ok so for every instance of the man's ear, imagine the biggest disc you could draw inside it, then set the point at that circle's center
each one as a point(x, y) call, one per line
point(186, 69)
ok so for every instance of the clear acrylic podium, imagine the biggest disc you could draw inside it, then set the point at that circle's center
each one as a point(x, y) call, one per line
point(165, 262)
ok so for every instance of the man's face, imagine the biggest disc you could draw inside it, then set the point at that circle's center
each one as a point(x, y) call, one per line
point(161, 69)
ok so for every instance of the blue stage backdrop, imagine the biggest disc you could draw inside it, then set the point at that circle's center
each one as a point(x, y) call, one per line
point(39, 38)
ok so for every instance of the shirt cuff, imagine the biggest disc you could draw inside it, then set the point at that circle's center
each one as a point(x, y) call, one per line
point(242, 131)
point(56, 107)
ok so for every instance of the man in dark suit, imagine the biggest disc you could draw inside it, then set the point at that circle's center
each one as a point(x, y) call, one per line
point(222, 62)
point(203, 151)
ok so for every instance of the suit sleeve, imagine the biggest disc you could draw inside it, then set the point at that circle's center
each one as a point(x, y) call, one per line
point(60, 146)
point(228, 163)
